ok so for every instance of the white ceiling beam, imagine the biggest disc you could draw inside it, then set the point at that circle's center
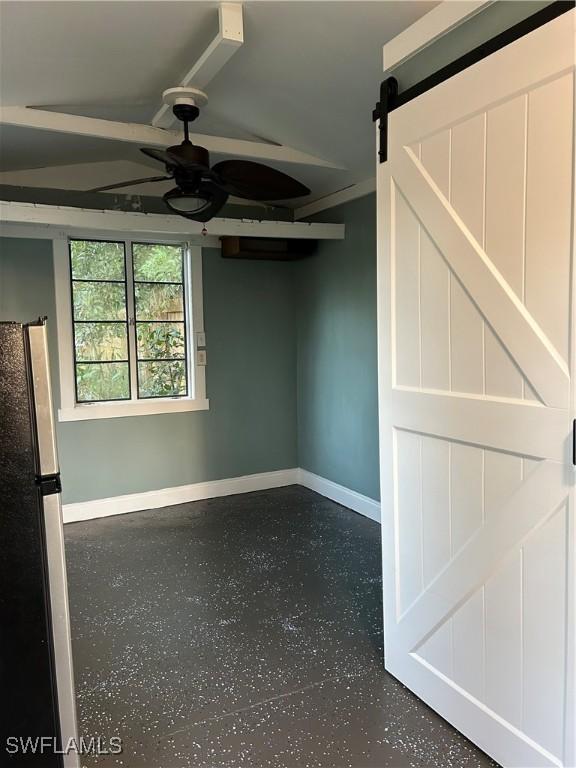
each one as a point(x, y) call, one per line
point(66, 219)
point(229, 38)
point(147, 135)
point(353, 192)
point(439, 21)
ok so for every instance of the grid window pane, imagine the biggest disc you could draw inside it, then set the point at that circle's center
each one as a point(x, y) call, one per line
point(101, 341)
point(99, 301)
point(102, 381)
point(113, 351)
point(95, 260)
point(159, 301)
point(162, 379)
point(100, 320)
point(157, 263)
point(161, 340)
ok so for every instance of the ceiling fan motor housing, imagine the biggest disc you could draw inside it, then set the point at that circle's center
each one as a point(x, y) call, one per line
point(186, 112)
point(196, 158)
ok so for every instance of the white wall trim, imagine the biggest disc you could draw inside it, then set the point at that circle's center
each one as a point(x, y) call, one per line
point(438, 22)
point(364, 505)
point(121, 409)
point(67, 220)
point(353, 192)
point(165, 497)
point(49, 232)
point(181, 494)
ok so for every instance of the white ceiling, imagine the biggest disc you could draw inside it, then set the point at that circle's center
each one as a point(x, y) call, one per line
point(307, 76)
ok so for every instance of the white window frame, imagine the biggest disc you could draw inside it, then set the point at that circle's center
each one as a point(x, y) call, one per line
point(70, 409)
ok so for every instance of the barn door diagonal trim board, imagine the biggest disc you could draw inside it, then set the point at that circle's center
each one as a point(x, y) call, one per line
point(476, 351)
point(502, 308)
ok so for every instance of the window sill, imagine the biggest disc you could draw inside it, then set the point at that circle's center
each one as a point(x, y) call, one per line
point(89, 411)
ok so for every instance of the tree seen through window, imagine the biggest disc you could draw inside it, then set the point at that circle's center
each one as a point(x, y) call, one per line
point(116, 354)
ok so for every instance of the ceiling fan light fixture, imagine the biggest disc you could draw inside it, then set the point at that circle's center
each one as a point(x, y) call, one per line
point(186, 203)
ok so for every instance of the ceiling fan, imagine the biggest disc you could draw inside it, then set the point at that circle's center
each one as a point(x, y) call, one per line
point(201, 190)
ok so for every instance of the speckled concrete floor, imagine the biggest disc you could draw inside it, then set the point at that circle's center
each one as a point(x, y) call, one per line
point(243, 631)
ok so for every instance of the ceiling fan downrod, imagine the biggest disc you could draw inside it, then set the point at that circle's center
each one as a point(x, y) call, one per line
point(186, 113)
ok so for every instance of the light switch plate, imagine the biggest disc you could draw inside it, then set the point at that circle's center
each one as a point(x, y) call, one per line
point(201, 357)
point(200, 339)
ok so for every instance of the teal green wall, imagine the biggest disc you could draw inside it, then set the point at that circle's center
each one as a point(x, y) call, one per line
point(291, 372)
point(337, 357)
point(251, 425)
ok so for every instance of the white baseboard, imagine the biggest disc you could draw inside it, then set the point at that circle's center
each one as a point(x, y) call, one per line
point(364, 505)
point(165, 497)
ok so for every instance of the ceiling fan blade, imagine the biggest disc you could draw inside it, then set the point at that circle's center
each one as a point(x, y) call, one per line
point(130, 183)
point(160, 155)
point(255, 181)
point(189, 156)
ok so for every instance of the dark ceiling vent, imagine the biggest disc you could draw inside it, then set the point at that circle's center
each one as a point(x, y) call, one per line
point(270, 249)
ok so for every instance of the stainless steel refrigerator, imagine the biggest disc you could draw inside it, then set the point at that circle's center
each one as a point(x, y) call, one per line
point(36, 675)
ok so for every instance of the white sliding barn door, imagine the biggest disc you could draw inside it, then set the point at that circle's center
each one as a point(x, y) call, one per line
point(476, 359)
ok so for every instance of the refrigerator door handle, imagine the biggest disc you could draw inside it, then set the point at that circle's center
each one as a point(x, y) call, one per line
point(43, 411)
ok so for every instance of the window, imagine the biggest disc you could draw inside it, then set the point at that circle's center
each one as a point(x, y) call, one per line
point(159, 309)
point(134, 332)
point(100, 315)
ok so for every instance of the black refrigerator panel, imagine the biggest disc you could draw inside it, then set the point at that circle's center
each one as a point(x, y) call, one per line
point(27, 665)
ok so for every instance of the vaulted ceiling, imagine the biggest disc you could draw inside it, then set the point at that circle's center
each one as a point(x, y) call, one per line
point(306, 77)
